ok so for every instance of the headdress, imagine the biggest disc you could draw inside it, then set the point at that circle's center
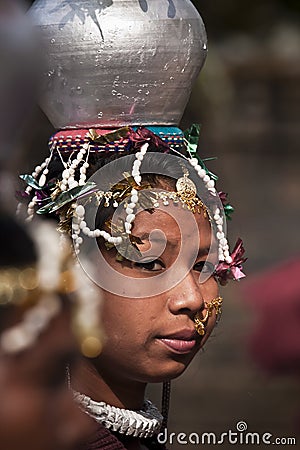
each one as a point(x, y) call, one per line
point(59, 195)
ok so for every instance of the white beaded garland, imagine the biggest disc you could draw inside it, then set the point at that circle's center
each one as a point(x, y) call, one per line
point(130, 218)
point(210, 185)
point(68, 175)
point(134, 194)
point(80, 211)
point(86, 231)
point(80, 225)
point(201, 172)
point(137, 163)
point(128, 227)
point(42, 180)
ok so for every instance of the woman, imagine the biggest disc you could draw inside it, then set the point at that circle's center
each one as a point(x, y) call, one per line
point(36, 344)
point(149, 220)
point(157, 247)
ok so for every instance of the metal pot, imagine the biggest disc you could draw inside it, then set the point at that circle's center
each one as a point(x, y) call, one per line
point(111, 63)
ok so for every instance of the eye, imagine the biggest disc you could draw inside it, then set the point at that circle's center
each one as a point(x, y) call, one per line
point(151, 266)
point(204, 267)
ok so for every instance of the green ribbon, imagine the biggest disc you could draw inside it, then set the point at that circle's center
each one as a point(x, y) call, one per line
point(66, 197)
point(192, 136)
point(229, 210)
point(31, 182)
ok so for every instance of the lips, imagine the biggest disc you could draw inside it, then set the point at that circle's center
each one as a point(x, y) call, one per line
point(183, 341)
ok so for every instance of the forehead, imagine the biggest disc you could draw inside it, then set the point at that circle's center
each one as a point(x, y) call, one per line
point(175, 222)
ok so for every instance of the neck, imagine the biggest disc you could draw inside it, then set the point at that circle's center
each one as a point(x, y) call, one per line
point(103, 387)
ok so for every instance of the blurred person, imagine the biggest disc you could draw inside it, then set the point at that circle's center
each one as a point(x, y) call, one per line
point(37, 410)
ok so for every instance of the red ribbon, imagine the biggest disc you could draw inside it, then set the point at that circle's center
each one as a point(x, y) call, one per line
point(223, 197)
point(142, 135)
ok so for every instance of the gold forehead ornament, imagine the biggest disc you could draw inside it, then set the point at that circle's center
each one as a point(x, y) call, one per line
point(187, 192)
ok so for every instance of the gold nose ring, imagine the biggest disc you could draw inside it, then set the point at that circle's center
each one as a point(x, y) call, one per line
point(201, 322)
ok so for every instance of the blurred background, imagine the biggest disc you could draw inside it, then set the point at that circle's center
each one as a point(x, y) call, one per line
point(247, 100)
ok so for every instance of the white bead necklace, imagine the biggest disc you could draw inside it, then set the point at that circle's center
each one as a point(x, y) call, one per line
point(143, 423)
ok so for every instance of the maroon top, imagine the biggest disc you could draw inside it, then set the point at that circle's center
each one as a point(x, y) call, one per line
point(105, 439)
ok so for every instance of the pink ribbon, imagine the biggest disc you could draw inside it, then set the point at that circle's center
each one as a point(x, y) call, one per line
point(232, 271)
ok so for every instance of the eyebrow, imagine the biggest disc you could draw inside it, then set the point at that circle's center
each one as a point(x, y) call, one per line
point(203, 251)
point(159, 240)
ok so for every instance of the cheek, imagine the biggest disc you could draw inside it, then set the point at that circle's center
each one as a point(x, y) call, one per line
point(128, 323)
point(210, 289)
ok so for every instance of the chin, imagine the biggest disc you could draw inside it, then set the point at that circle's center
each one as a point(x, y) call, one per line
point(169, 372)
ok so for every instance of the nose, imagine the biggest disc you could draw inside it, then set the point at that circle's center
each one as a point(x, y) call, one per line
point(74, 427)
point(187, 297)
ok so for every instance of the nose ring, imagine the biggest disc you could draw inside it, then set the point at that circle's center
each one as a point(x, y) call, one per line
point(201, 322)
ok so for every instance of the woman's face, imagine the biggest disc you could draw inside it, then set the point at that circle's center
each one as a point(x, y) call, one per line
point(152, 339)
point(37, 411)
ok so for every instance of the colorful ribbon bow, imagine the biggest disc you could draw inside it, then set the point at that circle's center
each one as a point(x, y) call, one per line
point(232, 271)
